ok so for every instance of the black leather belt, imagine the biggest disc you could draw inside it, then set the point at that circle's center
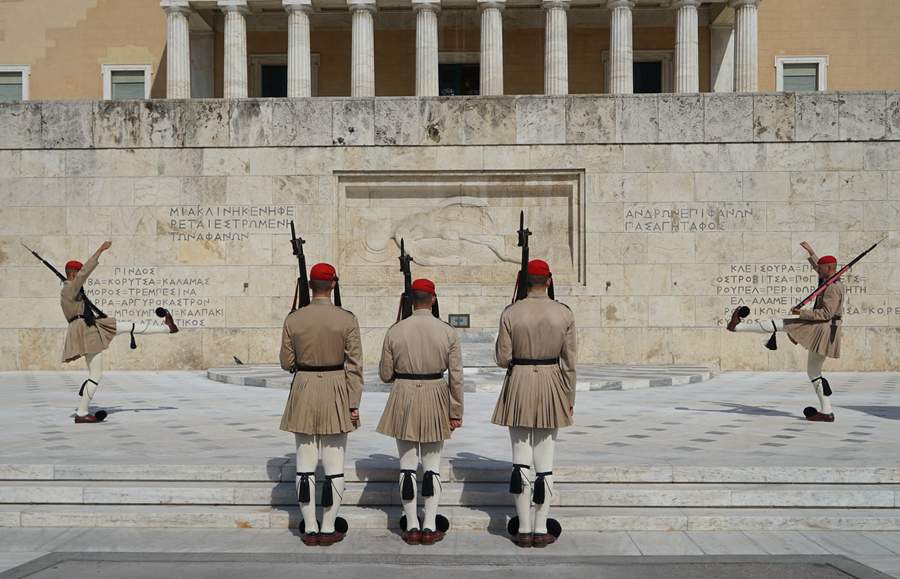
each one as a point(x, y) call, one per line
point(334, 368)
point(78, 317)
point(527, 362)
point(437, 376)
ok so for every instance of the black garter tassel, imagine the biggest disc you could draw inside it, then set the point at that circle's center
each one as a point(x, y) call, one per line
point(408, 485)
point(540, 487)
point(303, 489)
point(516, 485)
point(428, 483)
point(327, 492)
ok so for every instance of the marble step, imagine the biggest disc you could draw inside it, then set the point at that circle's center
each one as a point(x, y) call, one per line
point(280, 469)
point(457, 494)
point(461, 518)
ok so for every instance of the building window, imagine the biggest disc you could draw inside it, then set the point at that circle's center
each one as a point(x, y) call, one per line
point(14, 82)
point(653, 71)
point(459, 73)
point(269, 75)
point(126, 81)
point(801, 73)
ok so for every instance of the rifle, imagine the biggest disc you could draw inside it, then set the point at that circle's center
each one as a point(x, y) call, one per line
point(521, 291)
point(406, 297)
point(301, 293)
point(835, 277)
point(90, 308)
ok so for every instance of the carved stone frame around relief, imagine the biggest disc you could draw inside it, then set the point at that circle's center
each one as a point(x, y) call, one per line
point(460, 227)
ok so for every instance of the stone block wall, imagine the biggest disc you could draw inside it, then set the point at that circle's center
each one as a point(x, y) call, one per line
point(659, 214)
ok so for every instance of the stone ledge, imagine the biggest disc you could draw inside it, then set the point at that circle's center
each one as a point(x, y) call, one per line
point(412, 121)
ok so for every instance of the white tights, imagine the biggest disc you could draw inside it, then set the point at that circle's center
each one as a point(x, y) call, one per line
point(409, 452)
point(814, 361)
point(533, 445)
point(95, 362)
point(332, 447)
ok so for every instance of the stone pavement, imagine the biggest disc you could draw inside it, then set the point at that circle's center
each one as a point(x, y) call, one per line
point(730, 434)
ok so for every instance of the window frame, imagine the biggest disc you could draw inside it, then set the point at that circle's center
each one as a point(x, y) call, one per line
point(257, 61)
point(107, 70)
point(667, 70)
point(25, 69)
point(821, 61)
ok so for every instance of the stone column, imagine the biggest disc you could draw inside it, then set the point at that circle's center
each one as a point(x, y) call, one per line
point(746, 45)
point(556, 47)
point(426, 46)
point(235, 48)
point(687, 52)
point(491, 78)
point(621, 47)
point(721, 58)
point(299, 73)
point(178, 49)
point(362, 60)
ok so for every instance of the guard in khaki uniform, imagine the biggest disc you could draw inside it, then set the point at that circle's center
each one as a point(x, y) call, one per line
point(818, 330)
point(321, 345)
point(88, 336)
point(536, 342)
point(422, 409)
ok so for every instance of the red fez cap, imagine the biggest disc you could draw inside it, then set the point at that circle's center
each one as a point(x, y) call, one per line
point(322, 272)
point(827, 259)
point(424, 285)
point(538, 267)
point(74, 265)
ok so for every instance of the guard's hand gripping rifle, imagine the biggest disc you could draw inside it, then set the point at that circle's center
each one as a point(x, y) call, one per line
point(301, 293)
point(91, 311)
point(521, 291)
point(406, 306)
point(835, 277)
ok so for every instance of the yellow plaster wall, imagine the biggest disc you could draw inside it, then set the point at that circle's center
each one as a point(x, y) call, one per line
point(66, 41)
point(861, 39)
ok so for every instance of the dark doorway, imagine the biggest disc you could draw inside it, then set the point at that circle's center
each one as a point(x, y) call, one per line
point(647, 77)
point(458, 79)
point(274, 80)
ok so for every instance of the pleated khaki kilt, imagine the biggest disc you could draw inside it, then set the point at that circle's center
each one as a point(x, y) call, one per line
point(417, 413)
point(318, 404)
point(82, 340)
point(815, 336)
point(533, 397)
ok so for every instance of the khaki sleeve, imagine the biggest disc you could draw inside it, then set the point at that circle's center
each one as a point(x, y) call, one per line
point(287, 356)
point(353, 364)
point(813, 261)
point(455, 373)
point(568, 358)
point(386, 364)
point(831, 305)
point(503, 348)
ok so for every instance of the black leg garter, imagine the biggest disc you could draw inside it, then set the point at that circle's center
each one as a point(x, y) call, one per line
point(327, 492)
point(304, 489)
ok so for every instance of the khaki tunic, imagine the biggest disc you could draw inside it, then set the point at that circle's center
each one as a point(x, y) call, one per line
point(322, 334)
point(420, 410)
point(80, 339)
point(536, 328)
point(812, 329)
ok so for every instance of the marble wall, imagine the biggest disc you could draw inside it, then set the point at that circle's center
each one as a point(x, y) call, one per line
point(659, 214)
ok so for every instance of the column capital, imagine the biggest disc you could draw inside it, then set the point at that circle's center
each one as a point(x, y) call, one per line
point(234, 6)
point(176, 6)
point(431, 5)
point(364, 5)
point(549, 4)
point(676, 4)
point(613, 4)
point(297, 6)
point(741, 3)
point(488, 4)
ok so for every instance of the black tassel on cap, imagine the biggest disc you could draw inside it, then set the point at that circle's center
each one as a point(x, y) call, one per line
point(540, 487)
point(327, 489)
point(550, 289)
point(428, 483)
point(516, 485)
point(133, 343)
point(337, 292)
point(435, 309)
point(304, 489)
point(408, 485)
